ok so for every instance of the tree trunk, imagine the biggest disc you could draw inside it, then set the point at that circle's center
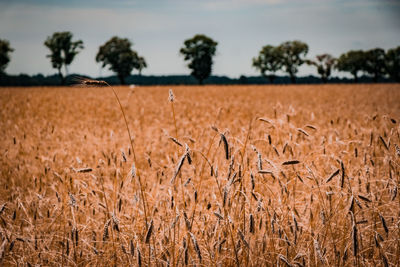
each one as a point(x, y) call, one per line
point(66, 71)
point(355, 78)
point(61, 76)
point(271, 78)
point(121, 79)
point(292, 78)
point(375, 78)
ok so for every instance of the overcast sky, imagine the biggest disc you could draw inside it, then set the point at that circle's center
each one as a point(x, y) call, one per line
point(158, 28)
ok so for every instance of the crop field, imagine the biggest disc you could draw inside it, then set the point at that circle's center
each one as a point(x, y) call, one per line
point(302, 175)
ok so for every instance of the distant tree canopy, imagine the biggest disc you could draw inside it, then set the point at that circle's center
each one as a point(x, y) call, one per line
point(119, 56)
point(63, 51)
point(199, 50)
point(375, 63)
point(268, 61)
point(352, 61)
point(392, 64)
point(141, 64)
point(289, 56)
point(293, 56)
point(324, 64)
point(5, 50)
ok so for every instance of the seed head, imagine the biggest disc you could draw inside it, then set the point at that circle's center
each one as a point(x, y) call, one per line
point(171, 97)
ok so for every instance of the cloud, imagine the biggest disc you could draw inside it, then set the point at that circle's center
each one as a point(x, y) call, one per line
point(40, 19)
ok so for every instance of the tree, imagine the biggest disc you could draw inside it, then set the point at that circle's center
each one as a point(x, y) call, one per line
point(375, 63)
point(119, 56)
point(199, 50)
point(293, 53)
point(352, 61)
point(268, 60)
point(63, 51)
point(392, 63)
point(324, 64)
point(141, 64)
point(5, 50)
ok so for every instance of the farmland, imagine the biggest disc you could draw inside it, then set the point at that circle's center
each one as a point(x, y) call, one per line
point(304, 175)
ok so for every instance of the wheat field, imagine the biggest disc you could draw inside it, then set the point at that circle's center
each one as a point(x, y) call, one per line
point(302, 175)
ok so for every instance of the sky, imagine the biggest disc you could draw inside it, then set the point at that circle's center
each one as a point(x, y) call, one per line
point(158, 29)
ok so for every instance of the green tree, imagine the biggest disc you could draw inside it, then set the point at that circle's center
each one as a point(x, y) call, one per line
point(375, 63)
point(199, 50)
point(268, 61)
point(141, 65)
point(293, 56)
point(352, 61)
point(324, 64)
point(392, 63)
point(63, 51)
point(119, 56)
point(5, 50)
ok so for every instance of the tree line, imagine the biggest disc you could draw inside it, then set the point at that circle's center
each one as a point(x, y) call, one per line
point(289, 56)
point(117, 54)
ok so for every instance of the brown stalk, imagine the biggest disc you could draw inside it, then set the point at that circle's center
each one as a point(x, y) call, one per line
point(89, 82)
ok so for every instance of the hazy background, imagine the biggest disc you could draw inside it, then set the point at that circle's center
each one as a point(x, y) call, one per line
point(159, 27)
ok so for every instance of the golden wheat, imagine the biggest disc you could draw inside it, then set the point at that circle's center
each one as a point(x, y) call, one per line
point(252, 176)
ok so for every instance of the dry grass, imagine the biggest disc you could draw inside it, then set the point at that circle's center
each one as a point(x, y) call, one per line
point(231, 175)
